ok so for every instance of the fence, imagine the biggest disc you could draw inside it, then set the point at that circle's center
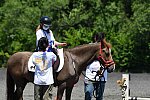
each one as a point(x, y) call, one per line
point(124, 84)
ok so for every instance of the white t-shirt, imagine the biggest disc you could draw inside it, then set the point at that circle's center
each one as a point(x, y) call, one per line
point(43, 67)
point(41, 33)
point(91, 72)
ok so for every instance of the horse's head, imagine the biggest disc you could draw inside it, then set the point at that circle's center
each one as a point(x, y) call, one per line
point(105, 56)
point(83, 55)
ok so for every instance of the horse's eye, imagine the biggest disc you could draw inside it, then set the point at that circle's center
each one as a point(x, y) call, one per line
point(103, 50)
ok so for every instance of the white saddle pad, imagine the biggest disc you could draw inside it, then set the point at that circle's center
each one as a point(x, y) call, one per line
point(31, 66)
point(61, 57)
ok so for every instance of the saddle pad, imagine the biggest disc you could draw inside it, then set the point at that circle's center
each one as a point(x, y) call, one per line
point(31, 66)
point(61, 57)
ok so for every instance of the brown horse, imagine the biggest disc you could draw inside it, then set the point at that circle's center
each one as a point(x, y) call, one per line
point(76, 59)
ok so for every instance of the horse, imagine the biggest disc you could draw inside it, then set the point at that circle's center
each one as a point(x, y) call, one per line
point(75, 61)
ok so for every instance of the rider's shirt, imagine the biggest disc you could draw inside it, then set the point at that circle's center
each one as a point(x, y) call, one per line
point(43, 67)
point(91, 72)
point(41, 33)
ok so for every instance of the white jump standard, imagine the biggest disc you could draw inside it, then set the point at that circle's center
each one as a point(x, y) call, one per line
point(124, 84)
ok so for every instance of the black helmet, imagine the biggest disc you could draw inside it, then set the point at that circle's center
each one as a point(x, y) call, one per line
point(45, 20)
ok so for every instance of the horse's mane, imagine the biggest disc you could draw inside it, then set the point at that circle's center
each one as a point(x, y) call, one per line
point(84, 47)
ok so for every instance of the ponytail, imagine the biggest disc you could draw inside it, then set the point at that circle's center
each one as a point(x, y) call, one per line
point(38, 27)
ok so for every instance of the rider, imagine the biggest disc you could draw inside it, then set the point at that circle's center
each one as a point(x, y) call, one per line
point(93, 83)
point(43, 30)
point(43, 77)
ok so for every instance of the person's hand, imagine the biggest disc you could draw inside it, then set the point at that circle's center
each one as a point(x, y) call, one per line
point(63, 44)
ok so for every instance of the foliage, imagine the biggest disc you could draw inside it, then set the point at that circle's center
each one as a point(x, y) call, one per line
point(141, 36)
point(77, 37)
point(126, 24)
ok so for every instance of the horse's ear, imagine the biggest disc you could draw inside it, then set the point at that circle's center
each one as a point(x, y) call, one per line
point(106, 43)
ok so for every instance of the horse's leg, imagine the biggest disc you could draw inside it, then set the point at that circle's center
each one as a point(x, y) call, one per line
point(60, 91)
point(10, 87)
point(68, 92)
point(19, 91)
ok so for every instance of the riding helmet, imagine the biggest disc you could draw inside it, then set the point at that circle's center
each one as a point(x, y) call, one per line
point(45, 20)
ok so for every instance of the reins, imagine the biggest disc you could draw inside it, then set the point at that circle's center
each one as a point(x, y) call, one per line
point(96, 81)
point(100, 76)
point(73, 63)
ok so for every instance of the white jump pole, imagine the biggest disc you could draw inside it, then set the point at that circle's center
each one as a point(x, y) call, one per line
point(125, 89)
point(138, 98)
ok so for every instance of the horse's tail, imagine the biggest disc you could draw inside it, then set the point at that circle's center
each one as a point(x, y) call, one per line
point(10, 86)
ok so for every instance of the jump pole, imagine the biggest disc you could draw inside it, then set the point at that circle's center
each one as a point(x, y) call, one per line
point(125, 89)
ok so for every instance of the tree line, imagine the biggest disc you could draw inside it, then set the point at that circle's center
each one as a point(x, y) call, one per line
point(125, 22)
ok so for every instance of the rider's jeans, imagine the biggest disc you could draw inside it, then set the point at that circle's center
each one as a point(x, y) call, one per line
point(97, 88)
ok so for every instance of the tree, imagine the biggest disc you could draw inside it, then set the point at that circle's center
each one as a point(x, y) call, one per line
point(126, 24)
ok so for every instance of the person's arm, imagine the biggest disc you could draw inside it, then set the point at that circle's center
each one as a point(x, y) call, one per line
point(60, 43)
point(56, 43)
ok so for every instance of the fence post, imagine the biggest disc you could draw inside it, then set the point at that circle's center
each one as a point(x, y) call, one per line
point(125, 87)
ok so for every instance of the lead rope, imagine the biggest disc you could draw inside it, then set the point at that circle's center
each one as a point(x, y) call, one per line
point(95, 81)
point(96, 85)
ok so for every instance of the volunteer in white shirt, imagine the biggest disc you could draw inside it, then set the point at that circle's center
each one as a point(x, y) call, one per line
point(94, 82)
point(43, 77)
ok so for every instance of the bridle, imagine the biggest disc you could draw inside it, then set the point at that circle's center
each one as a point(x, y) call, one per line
point(106, 63)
